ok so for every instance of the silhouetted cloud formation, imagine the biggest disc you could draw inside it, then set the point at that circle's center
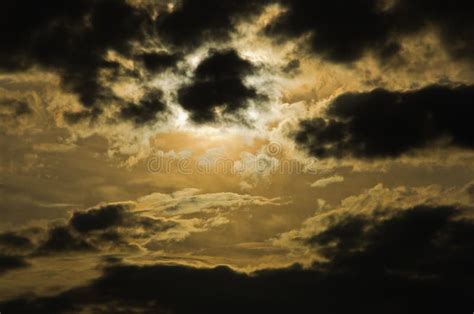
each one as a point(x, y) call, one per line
point(431, 242)
point(15, 241)
point(415, 260)
point(70, 39)
point(191, 22)
point(13, 108)
point(97, 218)
point(74, 41)
point(61, 240)
point(342, 31)
point(111, 226)
point(146, 110)
point(218, 84)
point(159, 61)
point(382, 123)
point(8, 263)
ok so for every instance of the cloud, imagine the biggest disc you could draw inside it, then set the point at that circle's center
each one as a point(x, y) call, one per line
point(122, 226)
point(256, 167)
point(386, 124)
point(14, 115)
point(130, 226)
point(321, 183)
point(8, 263)
point(187, 202)
point(415, 243)
point(53, 147)
point(107, 228)
point(146, 110)
point(189, 24)
point(13, 108)
point(245, 186)
point(61, 240)
point(98, 218)
point(218, 84)
point(422, 255)
point(376, 203)
point(71, 40)
point(292, 67)
point(13, 241)
point(159, 61)
point(396, 238)
point(342, 31)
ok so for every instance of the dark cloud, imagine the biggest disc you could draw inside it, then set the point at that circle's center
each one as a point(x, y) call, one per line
point(389, 50)
point(159, 61)
point(109, 227)
point(79, 116)
point(453, 22)
point(73, 39)
point(70, 39)
point(15, 241)
point(116, 223)
point(415, 260)
point(193, 22)
point(14, 107)
point(8, 263)
point(98, 218)
point(61, 240)
point(424, 241)
point(470, 191)
point(382, 123)
point(342, 31)
point(292, 67)
point(218, 84)
point(146, 110)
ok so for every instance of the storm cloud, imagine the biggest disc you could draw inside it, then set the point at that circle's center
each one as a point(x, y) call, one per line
point(61, 240)
point(343, 31)
point(218, 83)
point(71, 40)
point(103, 103)
point(191, 22)
point(146, 110)
point(385, 123)
point(8, 263)
point(98, 218)
point(159, 61)
point(414, 261)
point(14, 241)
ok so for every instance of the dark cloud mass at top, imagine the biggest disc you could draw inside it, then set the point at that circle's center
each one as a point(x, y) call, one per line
point(70, 38)
point(342, 31)
point(193, 22)
point(382, 123)
point(73, 38)
point(414, 261)
point(92, 230)
point(218, 82)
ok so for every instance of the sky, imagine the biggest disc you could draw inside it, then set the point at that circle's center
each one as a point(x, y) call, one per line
point(261, 156)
